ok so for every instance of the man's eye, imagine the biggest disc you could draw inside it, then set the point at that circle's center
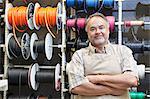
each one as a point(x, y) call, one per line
point(92, 29)
point(101, 28)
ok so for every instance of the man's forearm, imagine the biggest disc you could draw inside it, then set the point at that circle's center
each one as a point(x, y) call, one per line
point(90, 89)
point(117, 86)
point(122, 79)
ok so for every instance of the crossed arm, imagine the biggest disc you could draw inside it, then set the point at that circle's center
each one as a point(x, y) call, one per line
point(106, 84)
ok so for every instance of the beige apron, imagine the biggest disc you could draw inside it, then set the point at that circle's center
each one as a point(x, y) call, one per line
point(102, 64)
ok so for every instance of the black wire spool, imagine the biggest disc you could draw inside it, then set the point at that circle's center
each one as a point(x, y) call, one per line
point(41, 46)
point(138, 47)
point(13, 50)
point(35, 76)
point(77, 44)
point(142, 10)
point(17, 76)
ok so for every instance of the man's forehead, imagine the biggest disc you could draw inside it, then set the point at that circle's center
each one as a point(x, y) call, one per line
point(96, 22)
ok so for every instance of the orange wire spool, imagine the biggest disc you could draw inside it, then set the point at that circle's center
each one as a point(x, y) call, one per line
point(45, 17)
point(19, 17)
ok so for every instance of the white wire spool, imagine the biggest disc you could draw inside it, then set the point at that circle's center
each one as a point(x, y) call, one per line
point(141, 71)
point(32, 76)
point(34, 37)
point(48, 46)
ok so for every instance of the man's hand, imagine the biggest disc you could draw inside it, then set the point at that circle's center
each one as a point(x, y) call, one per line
point(93, 78)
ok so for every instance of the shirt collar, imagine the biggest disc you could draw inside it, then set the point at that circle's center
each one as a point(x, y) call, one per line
point(92, 49)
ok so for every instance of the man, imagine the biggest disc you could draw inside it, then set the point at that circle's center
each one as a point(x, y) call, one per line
point(102, 70)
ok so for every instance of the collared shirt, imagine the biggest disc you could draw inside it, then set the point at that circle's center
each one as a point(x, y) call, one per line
point(117, 59)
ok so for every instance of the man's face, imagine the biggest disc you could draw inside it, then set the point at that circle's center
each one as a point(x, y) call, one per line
point(98, 31)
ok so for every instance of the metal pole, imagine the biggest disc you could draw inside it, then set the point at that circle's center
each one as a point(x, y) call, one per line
point(63, 47)
point(120, 21)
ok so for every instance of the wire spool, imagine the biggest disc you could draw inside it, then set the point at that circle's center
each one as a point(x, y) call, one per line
point(138, 95)
point(133, 23)
point(70, 3)
point(138, 47)
point(17, 76)
point(44, 17)
point(23, 17)
point(79, 3)
point(79, 23)
point(111, 20)
point(71, 23)
point(78, 44)
point(108, 3)
point(58, 18)
point(13, 49)
point(91, 5)
point(8, 6)
point(141, 71)
point(75, 3)
point(37, 46)
point(142, 10)
point(36, 76)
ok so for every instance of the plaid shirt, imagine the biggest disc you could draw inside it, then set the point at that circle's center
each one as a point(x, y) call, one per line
point(117, 59)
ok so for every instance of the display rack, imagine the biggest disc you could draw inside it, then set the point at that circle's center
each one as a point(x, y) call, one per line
point(62, 46)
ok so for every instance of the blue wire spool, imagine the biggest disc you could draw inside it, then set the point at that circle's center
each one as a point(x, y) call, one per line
point(91, 3)
point(79, 3)
point(70, 3)
point(108, 3)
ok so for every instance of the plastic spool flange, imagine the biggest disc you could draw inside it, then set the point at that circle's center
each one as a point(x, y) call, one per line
point(141, 71)
point(29, 15)
point(57, 77)
point(25, 46)
point(37, 5)
point(32, 76)
point(34, 37)
point(9, 36)
point(8, 6)
point(48, 46)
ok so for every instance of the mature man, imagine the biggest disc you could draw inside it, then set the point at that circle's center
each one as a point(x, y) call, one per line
point(102, 70)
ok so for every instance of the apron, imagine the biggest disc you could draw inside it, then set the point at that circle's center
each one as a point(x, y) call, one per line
point(102, 64)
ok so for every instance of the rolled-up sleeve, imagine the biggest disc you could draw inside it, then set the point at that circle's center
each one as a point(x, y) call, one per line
point(75, 71)
point(128, 61)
